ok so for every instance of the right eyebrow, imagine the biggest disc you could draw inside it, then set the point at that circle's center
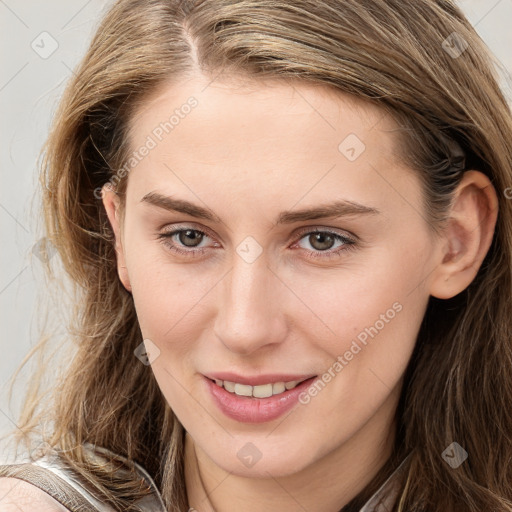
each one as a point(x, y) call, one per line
point(179, 205)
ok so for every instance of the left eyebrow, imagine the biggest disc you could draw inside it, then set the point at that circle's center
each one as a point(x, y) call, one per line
point(330, 210)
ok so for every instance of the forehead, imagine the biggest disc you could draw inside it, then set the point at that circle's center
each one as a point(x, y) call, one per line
point(245, 106)
point(264, 138)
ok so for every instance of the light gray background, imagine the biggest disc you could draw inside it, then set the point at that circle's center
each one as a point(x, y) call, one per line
point(31, 82)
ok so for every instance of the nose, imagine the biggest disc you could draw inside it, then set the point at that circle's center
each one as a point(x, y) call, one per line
point(250, 312)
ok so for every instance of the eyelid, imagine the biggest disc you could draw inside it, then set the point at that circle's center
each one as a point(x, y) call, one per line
point(188, 225)
point(324, 229)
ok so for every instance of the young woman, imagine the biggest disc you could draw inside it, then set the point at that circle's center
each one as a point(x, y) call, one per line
point(290, 232)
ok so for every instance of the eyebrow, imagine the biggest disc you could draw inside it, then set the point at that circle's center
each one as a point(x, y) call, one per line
point(335, 209)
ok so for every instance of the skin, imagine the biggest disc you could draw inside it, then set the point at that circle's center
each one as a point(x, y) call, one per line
point(19, 496)
point(248, 151)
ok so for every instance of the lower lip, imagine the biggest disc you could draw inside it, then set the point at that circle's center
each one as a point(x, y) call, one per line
point(255, 410)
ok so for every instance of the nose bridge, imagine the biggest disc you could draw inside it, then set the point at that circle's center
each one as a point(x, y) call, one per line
point(248, 315)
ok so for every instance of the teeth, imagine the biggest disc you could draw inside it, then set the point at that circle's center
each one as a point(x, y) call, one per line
point(243, 390)
point(278, 387)
point(263, 391)
point(229, 386)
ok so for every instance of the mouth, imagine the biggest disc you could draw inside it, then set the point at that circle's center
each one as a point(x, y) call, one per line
point(256, 399)
point(258, 391)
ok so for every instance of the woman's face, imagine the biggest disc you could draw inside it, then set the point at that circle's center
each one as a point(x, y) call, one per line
point(247, 293)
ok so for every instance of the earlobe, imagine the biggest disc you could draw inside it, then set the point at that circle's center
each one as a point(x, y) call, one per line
point(467, 236)
point(111, 203)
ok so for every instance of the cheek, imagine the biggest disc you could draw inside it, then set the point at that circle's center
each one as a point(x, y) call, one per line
point(167, 301)
point(157, 286)
point(167, 305)
point(170, 300)
point(373, 321)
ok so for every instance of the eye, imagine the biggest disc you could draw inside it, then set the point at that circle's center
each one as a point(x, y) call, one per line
point(323, 241)
point(185, 237)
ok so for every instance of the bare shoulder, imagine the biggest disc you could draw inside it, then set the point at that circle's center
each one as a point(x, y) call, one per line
point(19, 496)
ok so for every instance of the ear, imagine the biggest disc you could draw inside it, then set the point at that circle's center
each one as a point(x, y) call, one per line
point(468, 235)
point(111, 203)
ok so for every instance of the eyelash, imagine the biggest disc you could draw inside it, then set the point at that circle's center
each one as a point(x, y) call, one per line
point(349, 244)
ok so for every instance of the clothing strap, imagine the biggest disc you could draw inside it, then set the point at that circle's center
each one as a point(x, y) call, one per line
point(385, 497)
point(51, 484)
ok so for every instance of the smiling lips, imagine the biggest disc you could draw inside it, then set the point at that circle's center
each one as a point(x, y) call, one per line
point(256, 399)
point(259, 386)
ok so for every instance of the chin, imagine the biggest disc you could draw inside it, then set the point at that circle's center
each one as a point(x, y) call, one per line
point(258, 458)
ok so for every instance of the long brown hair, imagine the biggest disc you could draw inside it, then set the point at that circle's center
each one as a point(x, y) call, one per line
point(421, 62)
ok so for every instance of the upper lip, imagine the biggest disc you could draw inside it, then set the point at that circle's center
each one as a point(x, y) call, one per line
point(257, 380)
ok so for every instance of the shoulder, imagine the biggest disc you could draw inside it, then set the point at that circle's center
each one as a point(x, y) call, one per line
point(50, 484)
point(19, 496)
